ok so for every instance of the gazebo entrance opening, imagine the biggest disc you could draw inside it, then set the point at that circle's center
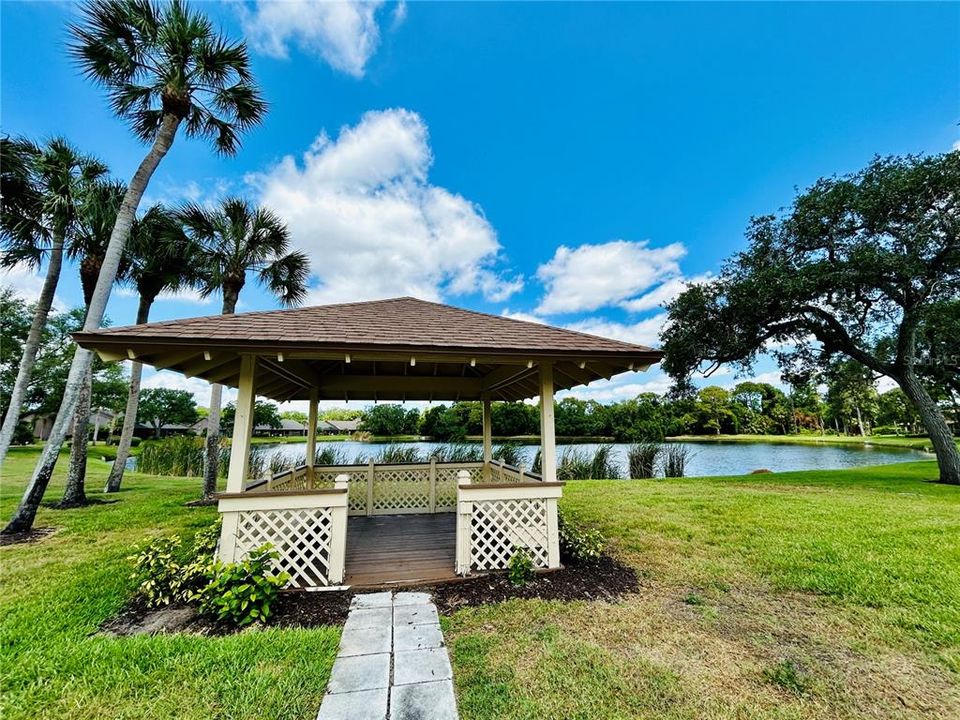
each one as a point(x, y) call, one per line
point(380, 523)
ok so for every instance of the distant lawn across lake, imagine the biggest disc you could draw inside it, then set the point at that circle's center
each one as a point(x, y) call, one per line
point(830, 594)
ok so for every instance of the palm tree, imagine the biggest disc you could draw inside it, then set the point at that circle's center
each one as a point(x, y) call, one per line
point(162, 258)
point(42, 189)
point(162, 66)
point(88, 249)
point(237, 238)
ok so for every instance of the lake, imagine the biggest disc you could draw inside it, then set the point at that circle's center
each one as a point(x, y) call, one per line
point(713, 458)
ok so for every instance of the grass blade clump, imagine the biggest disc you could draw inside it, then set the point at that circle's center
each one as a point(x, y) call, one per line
point(575, 464)
point(396, 454)
point(675, 459)
point(642, 459)
point(510, 452)
point(604, 464)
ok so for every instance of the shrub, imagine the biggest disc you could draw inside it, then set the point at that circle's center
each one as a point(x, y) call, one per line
point(520, 568)
point(165, 574)
point(675, 459)
point(579, 544)
point(157, 571)
point(22, 434)
point(243, 592)
point(642, 459)
point(134, 441)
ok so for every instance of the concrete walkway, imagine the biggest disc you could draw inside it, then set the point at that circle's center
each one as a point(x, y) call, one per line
point(392, 663)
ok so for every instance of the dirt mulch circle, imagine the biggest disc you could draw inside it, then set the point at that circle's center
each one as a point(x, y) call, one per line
point(203, 502)
point(73, 506)
point(30, 536)
point(608, 580)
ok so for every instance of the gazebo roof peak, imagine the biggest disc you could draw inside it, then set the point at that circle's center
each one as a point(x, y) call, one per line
point(395, 349)
point(402, 322)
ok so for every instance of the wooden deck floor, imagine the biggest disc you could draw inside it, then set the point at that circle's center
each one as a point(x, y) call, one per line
point(400, 549)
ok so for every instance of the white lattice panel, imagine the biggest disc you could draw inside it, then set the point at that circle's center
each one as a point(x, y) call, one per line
point(401, 490)
point(302, 537)
point(498, 527)
point(447, 485)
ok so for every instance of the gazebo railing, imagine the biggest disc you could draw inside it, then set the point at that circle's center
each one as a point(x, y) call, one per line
point(496, 519)
point(381, 489)
point(307, 528)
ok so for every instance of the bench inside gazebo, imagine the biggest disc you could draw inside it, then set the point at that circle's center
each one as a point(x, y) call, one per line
point(373, 524)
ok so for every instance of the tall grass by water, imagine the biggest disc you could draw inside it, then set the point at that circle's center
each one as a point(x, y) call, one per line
point(642, 459)
point(182, 456)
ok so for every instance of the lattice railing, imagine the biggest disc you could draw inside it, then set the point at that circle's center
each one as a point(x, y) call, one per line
point(501, 472)
point(382, 489)
point(496, 519)
point(307, 530)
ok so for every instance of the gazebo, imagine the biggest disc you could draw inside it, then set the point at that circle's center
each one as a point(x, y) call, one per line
point(372, 523)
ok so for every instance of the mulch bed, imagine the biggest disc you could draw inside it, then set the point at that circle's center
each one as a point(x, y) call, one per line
point(608, 580)
point(30, 536)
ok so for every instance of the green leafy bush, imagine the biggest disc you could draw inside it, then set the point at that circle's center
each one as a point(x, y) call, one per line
point(520, 568)
point(165, 573)
point(134, 441)
point(579, 544)
point(157, 571)
point(243, 592)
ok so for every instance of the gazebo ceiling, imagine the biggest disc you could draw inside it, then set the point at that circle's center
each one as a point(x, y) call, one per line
point(398, 349)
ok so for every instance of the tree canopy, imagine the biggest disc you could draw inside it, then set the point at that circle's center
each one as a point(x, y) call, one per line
point(857, 266)
point(164, 406)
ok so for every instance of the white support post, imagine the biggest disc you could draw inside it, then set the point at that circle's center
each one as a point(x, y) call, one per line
point(548, 440)
point(433, 485)
point(338, 539)
point(242, 425)
point(312, 434)
point(464, 527)
point(370, 474)
point(487, 435)
point(312, 427)
point(548, 460)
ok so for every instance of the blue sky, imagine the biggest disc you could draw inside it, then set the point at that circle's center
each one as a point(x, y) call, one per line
point(575, 163)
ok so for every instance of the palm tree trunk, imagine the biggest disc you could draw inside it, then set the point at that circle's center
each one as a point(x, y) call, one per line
point(74, 494)
point(130, 413)
point(24, 515)
point(211, 459)
point(31, 346)
point(96, 426)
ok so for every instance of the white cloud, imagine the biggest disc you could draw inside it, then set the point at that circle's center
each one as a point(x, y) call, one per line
point(526, 317)
point(589, 277)
point(344, 34)
point(192, 297)
point(622, 387)
point(664, 293)
point(200, 389)
point(956, 145)
point(644, 332)
point(363, 210)
point(27, 284)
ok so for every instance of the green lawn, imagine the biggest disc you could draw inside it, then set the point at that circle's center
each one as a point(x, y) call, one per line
point(795, 595)
point(893, 441)
point(57, 592)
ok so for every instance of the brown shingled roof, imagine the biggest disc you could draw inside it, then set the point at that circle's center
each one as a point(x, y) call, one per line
point(398, 322)
point(371, 330)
